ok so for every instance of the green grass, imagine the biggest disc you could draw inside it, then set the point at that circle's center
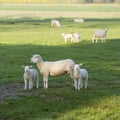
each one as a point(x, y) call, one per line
point(21, 38)
point(62, 7)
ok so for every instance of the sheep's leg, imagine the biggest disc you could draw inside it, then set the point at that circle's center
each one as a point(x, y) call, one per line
point(30, 84)
point(75, 84)
point(93, 39)
point(86, 81)
point(103, 41)
point(96, 40)
point(45, 82)
point(79, 84)
point(37, 81)
point(25, 82)
point(37, 84)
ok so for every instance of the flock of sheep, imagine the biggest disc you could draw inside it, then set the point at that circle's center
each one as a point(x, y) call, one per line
point(54, 68)
point(75, 37)
point(57, 68)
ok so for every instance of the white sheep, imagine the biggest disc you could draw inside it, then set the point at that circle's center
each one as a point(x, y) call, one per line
point(67, 37)
point(30, 76)
point(76, 37)
point(55, 68)
point(80, 75)
point(99, 34)
point(79, 20)
point(55, 23)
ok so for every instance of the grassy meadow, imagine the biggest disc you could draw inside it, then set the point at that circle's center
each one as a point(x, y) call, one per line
point(21, 37)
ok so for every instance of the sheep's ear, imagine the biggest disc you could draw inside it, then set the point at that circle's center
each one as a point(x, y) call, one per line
point(80, 64)
point(23, 66)
point(31, 66)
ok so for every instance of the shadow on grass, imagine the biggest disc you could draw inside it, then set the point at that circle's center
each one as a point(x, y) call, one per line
point(38, 20)
point(101, 60)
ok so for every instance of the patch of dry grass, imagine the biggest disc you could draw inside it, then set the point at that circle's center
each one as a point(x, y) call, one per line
point(57, 14)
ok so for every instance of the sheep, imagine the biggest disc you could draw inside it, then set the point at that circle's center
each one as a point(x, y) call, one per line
point(53, 68)
point(30, 75)
point(76, 37)
point(55, 23)
point(100, 34)
point(80, 75)
point(67, 37)
point(78, 20)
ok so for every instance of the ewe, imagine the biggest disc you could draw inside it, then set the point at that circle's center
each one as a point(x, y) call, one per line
point(30, 75)
point(67, 37)
point(100, 34)
point(80, 75)
point(55, 68)
point(55, 23)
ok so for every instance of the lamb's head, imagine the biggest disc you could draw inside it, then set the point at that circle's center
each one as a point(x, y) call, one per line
point(106, 30)
point(36, 58)
point(77, 66)
point(63, 34)
point(26, 68)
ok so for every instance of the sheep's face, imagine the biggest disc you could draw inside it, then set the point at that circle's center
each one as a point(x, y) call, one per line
point(76, 67)
point(35, 58)
point(63, 34)
point(106, 29)
point(26, 68)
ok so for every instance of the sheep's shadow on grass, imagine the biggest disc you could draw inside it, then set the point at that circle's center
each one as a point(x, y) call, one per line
point(60, 92)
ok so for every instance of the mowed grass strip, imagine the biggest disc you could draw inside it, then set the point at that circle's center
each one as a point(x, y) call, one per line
point(61, 10)
point(63, 7)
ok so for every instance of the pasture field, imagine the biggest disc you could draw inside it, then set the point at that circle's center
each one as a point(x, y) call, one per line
point(21, 37)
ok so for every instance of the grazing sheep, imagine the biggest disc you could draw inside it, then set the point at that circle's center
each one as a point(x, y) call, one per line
point(100, 34)
point(67, 37)
point(79, 76)
point(55, 23)
point(55, 68)
point(79, 20)
point(76, 37)
point(30, 75)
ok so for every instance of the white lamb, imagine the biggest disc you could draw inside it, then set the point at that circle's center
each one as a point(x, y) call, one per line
point(76, 37)
point(99, 34)
point(55, 68)
point(30, 76)
point(80, 75)
point(67, 37)
point(55, 23)
point(79, 20)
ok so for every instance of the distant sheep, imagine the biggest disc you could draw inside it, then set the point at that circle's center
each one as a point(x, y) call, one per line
point(30, 76)
point(79, 20)
point(76, 37)
point(55, 68)
point(67, 37)
point(55, 23)
point(80, 75)
point(100, 34)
